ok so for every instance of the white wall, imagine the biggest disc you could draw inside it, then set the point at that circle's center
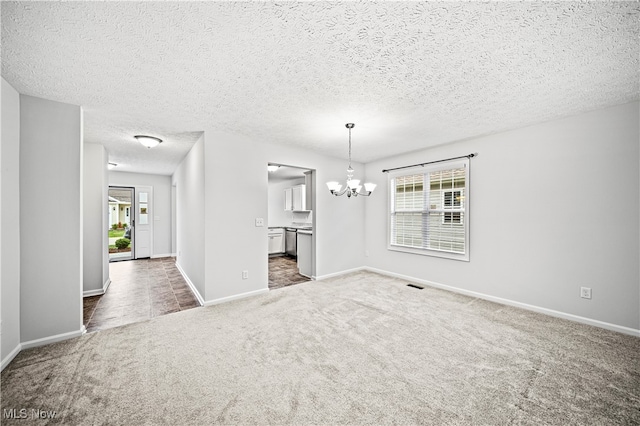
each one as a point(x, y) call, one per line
point(10, 222)
point(51, 249)
point(553, 207)
point(236, 191)
point(96, 218)
point(188, 180)
point(277, 216)
point(161, 213)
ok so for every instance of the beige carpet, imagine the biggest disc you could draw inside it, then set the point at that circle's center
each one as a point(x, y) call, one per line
point(358, 349)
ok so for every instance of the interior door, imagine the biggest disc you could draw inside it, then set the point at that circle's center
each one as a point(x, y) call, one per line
point(143, 221)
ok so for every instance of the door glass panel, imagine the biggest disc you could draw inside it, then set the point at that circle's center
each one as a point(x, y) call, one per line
point(144, 209)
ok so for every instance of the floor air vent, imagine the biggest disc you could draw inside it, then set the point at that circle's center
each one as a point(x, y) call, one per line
point(415, 286)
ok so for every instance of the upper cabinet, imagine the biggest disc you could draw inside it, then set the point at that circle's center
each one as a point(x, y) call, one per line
point(295, 198)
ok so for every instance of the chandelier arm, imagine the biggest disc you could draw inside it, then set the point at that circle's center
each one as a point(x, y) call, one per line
point(338, 194)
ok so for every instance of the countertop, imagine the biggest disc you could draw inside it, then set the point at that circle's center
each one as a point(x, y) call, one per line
point(305, 227)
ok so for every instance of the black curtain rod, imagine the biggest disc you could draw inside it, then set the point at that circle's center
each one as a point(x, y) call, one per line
point(431, 162)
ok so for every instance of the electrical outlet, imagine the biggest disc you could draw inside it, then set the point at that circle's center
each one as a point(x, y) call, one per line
point(245, 275)
point(259, 221)
point(585, 292)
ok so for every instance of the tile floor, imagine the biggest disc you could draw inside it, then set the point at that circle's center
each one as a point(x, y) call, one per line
point(283, 271)
point(139, 290)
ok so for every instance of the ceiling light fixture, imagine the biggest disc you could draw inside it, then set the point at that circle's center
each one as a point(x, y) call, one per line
point(272, 167)
point(148, 141)
point(353, 186)
point(111, 166)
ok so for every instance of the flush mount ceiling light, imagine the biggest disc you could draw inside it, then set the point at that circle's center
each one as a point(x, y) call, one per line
point(272, 167)
point(148, 141)
point(111, 166)
point(353, 186)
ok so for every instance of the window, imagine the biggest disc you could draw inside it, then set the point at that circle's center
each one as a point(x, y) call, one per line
point(428, 210)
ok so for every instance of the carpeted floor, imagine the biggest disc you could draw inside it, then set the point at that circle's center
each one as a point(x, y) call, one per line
point(356, 349)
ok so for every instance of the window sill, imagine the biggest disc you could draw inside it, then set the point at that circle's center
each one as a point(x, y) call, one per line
point(464, 257)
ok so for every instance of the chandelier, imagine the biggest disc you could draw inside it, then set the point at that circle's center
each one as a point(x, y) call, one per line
point(353, 187)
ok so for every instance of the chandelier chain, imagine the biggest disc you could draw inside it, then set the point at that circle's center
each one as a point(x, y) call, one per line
point(349, 147)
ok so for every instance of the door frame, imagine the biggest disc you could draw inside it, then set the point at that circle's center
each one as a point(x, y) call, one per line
point(313, 206)
point(132, 225)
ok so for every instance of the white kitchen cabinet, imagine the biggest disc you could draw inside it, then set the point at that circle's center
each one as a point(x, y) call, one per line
point(276, 241)
point(288, 199)
point(295, 198)
point(299, 197)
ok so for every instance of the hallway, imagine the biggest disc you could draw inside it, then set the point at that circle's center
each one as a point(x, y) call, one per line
point(139, 290)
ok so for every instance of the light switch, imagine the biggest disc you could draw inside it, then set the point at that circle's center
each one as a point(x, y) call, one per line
point(259, 221)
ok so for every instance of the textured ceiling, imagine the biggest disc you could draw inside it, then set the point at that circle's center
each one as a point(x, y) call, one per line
point(410, 75)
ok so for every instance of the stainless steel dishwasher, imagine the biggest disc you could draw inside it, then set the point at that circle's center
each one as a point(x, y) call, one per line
point(291, 242)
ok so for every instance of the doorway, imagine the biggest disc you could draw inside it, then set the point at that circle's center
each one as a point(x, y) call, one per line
point(291, 202)
point(121, 223)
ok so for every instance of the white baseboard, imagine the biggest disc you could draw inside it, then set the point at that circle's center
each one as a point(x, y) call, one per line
point(236, 297)
point(7, 359)
point(53, 339)
point(550, 312)
point(97, 292)
point(193, 288)
point(337, 274)
point(106, 285)
point(216, 301)
point(157, 256)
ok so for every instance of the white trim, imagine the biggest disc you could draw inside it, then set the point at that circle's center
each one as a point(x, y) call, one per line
point(193, 288)
point(235, 297)
point(550, 312)
point(336, 274)
point(97, 292)
point(91, 293)
point(426, 171)
point(53, 339)
point(7, 360)
point(157, 256)
point(106, 285)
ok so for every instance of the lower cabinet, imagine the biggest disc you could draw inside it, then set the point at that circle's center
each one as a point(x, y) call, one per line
point(276, 241)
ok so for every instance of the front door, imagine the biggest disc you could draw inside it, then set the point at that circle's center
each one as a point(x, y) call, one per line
point(143, 217)
point(121, 236)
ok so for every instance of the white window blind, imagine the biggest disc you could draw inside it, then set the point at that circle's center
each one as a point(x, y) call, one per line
point(428, 210)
